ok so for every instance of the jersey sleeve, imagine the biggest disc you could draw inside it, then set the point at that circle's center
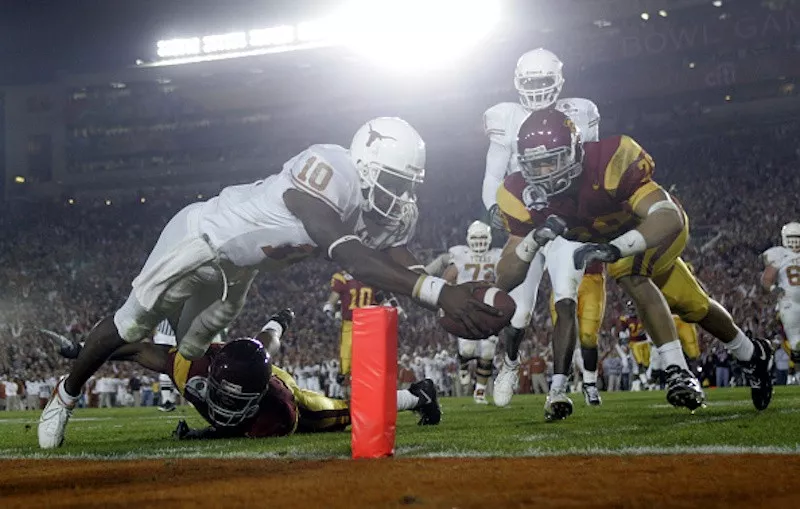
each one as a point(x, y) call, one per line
point(516, 217)
point(629, 172)
point(338, 283)
point(181, 369)
point(329, 177)
point(773, 256)
point(584, 114)
point(495, 121)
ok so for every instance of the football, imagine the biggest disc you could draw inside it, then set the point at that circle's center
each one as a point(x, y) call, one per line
point(491, 324)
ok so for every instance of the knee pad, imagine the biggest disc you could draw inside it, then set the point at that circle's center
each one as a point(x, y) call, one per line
point(467, 348)
point(206, 326)
point(488, 348)
point(588, 340)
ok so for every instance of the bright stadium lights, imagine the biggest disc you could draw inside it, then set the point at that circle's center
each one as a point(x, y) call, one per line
point(178, 47)
point(71, 201)
point(317, 30)
point(717, 3)
point(224, 42)
point(19, 179)
point(645, 16)
point(663, 13)
point(274, 36)
point(410, 35)
point(108, 202)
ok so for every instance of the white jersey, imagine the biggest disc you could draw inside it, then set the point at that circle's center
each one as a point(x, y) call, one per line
point(251, 226)
point(501, 123)
point(474, 266)
point(788, 264)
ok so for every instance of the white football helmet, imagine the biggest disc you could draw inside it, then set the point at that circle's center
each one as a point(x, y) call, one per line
point(538, 79)
point(790, 234)
point(390, 157)
point(479, 237)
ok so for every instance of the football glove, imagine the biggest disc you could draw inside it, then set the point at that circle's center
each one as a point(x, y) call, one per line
point(494, 217)
point(328, 310)
point(553, 227)
point(588, 253)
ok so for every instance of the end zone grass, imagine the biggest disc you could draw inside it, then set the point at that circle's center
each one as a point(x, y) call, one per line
point(627, 423)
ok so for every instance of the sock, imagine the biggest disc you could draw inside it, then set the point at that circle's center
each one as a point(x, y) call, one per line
point(590, 377)
point(66, 397)
point(480, 387)
point(406, 400)
point(741, 347)
point(672, 354)
point(643, 378)
point(510, 363)
point(274, 326)
point(559, 383)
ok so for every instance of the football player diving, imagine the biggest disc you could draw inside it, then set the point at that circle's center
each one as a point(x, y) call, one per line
point(357, 207)
point(604, 195)
point(237, 389)
point(538, 78)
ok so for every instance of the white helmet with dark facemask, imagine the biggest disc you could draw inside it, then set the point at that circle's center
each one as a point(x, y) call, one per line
point(390, 157)
point(790, 235)
point(538, 79)
point(479, 237)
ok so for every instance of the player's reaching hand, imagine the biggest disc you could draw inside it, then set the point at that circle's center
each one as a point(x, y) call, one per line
point(459, 303)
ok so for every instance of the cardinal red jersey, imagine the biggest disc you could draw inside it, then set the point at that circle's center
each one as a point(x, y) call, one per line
point(634, 326)
point(352, 294)
point(617, 174)
point(277, 412)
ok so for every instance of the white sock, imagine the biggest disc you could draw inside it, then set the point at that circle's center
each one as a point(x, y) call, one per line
point(590, 377)
point(741, 347)
point(479, 387)
point(66, 397)
point(510, 363)
point(672, 354)
point(406, 400)
point(559, 383)
point(274, 326)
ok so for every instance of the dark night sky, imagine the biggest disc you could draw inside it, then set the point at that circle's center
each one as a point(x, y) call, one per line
point(40, 37)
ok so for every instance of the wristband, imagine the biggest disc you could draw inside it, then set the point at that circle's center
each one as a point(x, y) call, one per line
point(341, 240)
point(630, 243)
point(427, 290)
point(527, 248)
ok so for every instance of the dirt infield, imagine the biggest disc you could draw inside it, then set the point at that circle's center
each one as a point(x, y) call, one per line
point(609, 481)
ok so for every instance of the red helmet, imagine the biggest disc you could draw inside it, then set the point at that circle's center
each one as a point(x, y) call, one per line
point(549, 151)
point(237, 380)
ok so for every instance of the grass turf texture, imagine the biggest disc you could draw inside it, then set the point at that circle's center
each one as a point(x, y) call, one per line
point(626, 423)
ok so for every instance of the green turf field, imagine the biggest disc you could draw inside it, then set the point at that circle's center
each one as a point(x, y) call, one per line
point(627, 423)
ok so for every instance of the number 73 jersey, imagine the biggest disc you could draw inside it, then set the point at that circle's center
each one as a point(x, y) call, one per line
point(474, 266)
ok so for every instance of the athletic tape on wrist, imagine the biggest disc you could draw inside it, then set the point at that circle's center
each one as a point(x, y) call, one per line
point(427, 290)
point(630, 243)
point(339, 241)
point(527, 248)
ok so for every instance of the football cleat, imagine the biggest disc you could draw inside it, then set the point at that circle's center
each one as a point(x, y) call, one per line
point(66, 348)
point(591, 395)
point(557, 406)
point(167, 406)
point(758, 373)
point(505, 383)
point(54, 419)
point(683, 389)
point(428, 408)
point(479, 395)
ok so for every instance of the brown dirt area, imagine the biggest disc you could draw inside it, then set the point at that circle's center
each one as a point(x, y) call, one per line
point(628, 481)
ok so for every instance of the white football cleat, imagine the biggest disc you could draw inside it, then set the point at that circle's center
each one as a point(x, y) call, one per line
point(557, 406)
point(505, 383)
point(480, 397)
point(54, 420)
point(591, 395)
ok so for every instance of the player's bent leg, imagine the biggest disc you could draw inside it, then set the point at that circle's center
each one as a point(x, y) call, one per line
point(486, 351)
point(345, 347)
point(319, 413)
point(507, 379)
point(693, 305)
point(565, 334)
point(591, 310)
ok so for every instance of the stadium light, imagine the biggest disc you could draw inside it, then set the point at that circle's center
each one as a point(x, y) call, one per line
point(224, 42)
point(178, 47)
point(645, 16)
point(19, 179)
point(71, 201)
point(409, 35)
point(272, 36)
point(717, 3)
point(663, 13)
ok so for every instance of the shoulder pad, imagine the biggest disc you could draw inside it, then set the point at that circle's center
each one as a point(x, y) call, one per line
point(774, 255)
point(326, 172)
point(496, 119)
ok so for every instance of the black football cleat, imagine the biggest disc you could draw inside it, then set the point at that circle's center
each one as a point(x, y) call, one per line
point(66, 347)
point(428, 408)
point(758, 373)
point(284, 317)
point(683, 389)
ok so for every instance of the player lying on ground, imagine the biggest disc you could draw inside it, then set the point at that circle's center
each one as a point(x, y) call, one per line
point(357, 207)
point(240, 393)
point(605, 194)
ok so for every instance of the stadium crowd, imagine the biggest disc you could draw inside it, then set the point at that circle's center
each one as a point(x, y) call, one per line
point(64, 266)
